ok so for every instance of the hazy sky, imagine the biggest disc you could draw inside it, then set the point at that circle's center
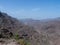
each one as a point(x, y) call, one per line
point(36, 9)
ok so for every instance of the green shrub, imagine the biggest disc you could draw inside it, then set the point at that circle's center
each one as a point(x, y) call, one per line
point(27, 43)
point(23, 42)
point(16, 36)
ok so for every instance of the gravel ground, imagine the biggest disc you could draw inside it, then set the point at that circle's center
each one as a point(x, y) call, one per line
point(9, 42)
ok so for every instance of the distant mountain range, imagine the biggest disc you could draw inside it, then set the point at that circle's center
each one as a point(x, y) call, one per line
point(51, 27)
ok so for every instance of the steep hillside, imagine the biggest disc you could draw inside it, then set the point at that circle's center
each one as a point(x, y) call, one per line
point(12, 28)
point(33, 32)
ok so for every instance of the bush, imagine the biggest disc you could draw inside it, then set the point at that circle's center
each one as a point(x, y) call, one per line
point(27, 43)
point(23, 42)
point(16, 36)
point(5, 33)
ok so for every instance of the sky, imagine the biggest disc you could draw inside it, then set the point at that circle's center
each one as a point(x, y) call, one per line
point(35, 9)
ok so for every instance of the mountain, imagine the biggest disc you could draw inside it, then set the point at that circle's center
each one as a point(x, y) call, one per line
point(50, 27)
point(11, 28)
point(29, 31)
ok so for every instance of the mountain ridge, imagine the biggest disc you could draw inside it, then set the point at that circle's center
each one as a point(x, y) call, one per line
point(36, 32)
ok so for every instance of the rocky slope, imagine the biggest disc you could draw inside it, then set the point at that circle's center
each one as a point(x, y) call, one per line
point(11, 28)
point(51, 28)
point(35, 32)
